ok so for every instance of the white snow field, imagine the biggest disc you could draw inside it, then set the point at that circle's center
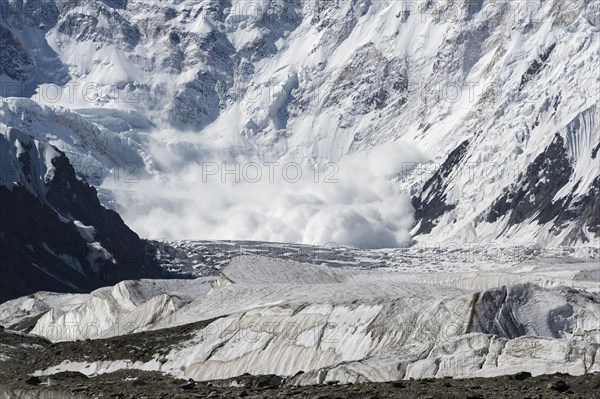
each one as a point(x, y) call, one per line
point(343, 323)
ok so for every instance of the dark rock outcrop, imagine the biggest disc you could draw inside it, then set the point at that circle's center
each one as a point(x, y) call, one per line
point(15, 60)
point(535, 190)
point(532, 197)
point(431, 203)
point(43, 245)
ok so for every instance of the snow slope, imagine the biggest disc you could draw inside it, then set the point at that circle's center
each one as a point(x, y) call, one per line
point(499, 99)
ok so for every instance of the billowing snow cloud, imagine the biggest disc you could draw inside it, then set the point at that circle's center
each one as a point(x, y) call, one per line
point(354, 202)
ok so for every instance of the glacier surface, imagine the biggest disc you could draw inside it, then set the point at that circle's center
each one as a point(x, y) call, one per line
point(341, 323)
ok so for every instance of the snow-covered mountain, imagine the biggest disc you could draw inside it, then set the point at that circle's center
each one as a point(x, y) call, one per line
point(54, 233)
point(354, 128)
point(499, 98)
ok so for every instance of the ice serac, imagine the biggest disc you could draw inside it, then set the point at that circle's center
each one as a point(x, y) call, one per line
point(54, 233)
point(128, 307)
point(94, 151)
point(266, 316)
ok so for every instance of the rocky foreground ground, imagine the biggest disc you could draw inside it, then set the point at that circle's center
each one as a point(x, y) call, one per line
point(22, 355)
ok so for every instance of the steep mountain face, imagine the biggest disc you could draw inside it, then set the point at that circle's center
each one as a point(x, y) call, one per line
point(54, 233)
point(16, 61)
point(502, 96)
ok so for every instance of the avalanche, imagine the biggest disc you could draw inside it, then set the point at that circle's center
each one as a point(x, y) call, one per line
point(144, 92)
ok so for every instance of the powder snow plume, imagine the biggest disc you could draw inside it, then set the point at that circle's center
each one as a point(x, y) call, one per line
point(353, 202)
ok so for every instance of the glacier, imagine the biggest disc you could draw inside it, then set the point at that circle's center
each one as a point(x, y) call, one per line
point(446, 215)
point(263, 315)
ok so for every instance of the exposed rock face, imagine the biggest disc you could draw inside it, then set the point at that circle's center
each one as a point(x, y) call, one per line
point(54, 233)
point(536, 189)
point(558, 192)
point(537, 193)
point(536, 66)
point(15, 61)
point(23, 14)
point(431, 203)
point(374, 88)
point(100, 24)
